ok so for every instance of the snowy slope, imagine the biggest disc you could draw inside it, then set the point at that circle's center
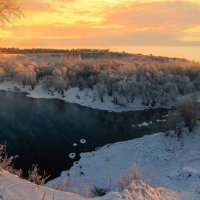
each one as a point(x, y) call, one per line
point(13, 188)
point(163, 161)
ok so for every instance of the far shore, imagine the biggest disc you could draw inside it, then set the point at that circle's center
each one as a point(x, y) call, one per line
point(74, 95)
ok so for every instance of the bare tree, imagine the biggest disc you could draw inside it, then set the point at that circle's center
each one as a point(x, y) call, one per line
point(101, 90)
point(174, 122)
point(9, 9)
point(188, 110)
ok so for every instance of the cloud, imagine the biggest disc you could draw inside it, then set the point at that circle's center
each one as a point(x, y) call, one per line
point(37, 6)
point(179, 14)
point(109, 22)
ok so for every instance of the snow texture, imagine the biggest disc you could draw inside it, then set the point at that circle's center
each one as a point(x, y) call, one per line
point(13, 188)
point(163, 161)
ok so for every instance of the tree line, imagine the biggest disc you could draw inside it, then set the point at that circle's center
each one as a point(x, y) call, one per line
point(154, 80)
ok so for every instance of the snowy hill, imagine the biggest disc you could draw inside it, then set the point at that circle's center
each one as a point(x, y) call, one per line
point(171, 171)
point(163, 161)
point(13, 188)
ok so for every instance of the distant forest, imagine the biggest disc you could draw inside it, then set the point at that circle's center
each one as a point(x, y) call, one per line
point(83, 53)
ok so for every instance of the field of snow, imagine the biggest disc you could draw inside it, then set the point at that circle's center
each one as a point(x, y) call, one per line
point(74, 95)
point(14, 188)
point(163, 161)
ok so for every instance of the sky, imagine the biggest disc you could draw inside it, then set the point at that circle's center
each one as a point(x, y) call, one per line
point(141, 26)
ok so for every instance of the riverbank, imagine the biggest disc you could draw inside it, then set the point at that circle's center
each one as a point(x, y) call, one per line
point(14, 188)
point(163, 161)
point(74, 95)
point(170, 168)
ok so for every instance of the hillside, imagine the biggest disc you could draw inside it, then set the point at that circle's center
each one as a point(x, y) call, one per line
point(13, 188)
point(115, 83)
point(163, 161)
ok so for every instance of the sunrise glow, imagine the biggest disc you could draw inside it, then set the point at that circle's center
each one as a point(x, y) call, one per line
point(105, 24)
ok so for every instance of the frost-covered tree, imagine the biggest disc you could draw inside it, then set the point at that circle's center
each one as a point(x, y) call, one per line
point(133, 88)
point(156, 81)
point(197, 83)
point(124, 89)
point(168, 94)
point(2, 74)
point(59, 85)
point(101, 91)
point(188, 110)
point(57, 72)
point(174, 122)
point(184, 84)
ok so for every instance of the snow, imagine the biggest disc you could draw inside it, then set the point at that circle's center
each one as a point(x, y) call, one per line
point(171, 171)
point(143, 124)
point(163, 161)
point(75, 144)
point(144, 191)
point(14, 188)
point(161, 120)
point(86, 97)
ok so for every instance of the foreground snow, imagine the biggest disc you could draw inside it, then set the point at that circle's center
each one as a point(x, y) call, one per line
point(74, 95)
point(171, 171)
point(13, 188)
point(164, 161)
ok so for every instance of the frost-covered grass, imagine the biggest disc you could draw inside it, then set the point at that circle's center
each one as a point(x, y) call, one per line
point(14, 188)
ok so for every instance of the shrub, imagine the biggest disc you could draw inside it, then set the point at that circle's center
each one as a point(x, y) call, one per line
point(97, 191)
point(6, 162)
point(126, 179)
point(35, 177)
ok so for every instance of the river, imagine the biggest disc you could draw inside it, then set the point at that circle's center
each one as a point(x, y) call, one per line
point(45, 132)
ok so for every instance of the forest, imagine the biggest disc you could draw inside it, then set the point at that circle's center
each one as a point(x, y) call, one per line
point(154, 80)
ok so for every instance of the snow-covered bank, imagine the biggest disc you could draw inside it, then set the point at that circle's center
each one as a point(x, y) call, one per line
point(13, 188)
point(164, 161)
point(74, 95)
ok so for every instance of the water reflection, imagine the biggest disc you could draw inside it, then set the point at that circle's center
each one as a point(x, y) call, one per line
point(43, 131)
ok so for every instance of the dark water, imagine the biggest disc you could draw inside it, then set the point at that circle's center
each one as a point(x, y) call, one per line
point(43, 131)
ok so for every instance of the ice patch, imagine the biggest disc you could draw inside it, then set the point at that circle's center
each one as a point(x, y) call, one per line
point(82, 141)
point(143, 124)
point(72, 155)
point(161, 120)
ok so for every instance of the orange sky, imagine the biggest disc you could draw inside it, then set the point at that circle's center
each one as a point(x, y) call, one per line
point(105, 23)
